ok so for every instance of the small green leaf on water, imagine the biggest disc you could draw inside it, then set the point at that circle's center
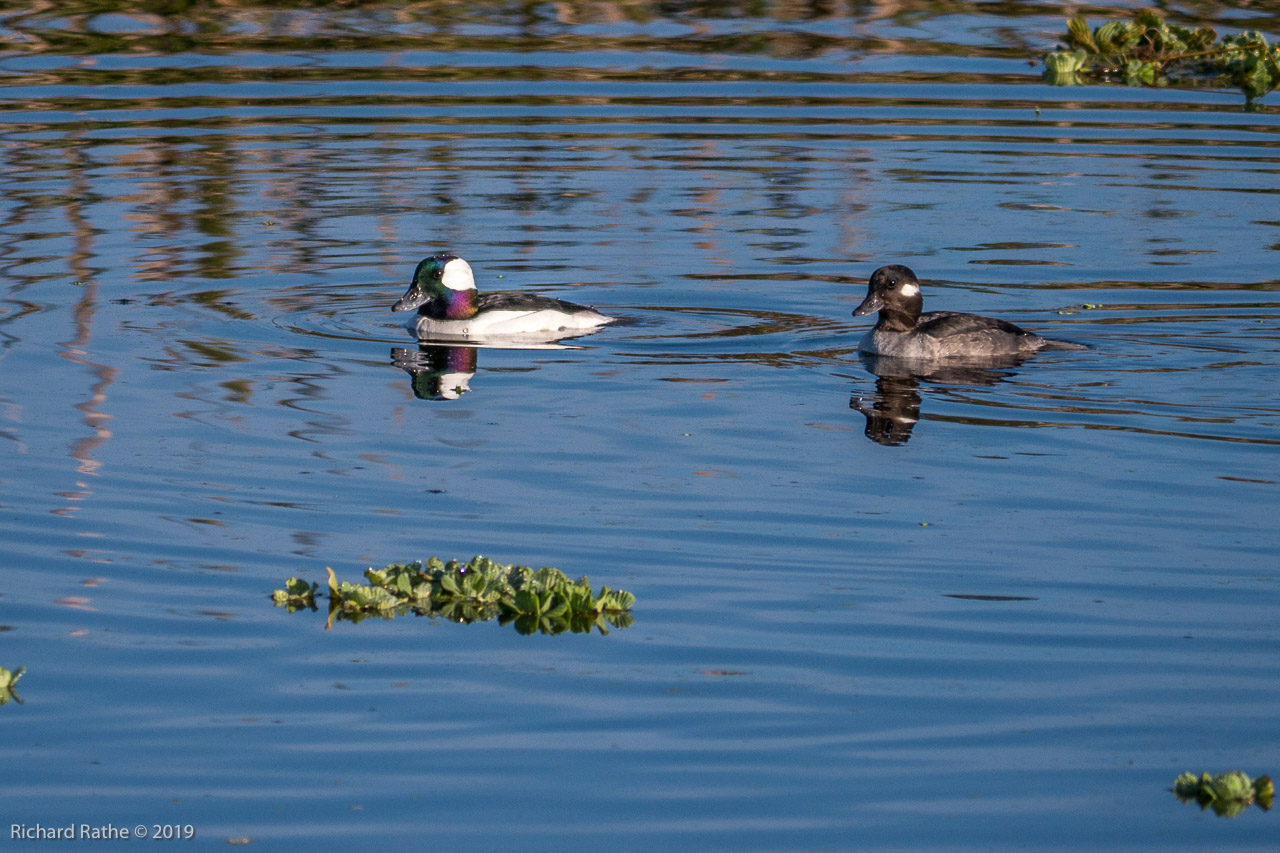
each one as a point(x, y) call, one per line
point(526, 601)
point(1062, 68)
point(1065, 62)
point(1078, 34)
point(1264, 790)
point(1233, 786)
point(1139, 73)
point(1254, 76)
point(296, 595)
point(1113, 36)
point(1186, 785)
point(8, 680)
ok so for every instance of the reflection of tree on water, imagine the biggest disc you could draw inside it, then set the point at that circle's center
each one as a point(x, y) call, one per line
point(218, 182)
point(78, 348)
point(225, 26)
point(438, 372)
point(894, 410)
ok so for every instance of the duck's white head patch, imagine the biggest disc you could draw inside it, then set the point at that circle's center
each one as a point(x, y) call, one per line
point(456, 275)
point(909, 289)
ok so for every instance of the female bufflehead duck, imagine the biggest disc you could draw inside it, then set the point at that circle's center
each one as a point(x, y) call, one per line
point(451, 309)
point(903, 332)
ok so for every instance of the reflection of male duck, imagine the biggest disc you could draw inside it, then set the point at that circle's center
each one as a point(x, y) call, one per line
point(439, 373)
point(451, 309)
point(894, 410)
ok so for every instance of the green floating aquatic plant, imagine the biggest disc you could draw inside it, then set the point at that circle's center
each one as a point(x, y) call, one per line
point(1146, 51)
point(296, 595)
point(7, 681)
point(536, 601)
point(1228, 794)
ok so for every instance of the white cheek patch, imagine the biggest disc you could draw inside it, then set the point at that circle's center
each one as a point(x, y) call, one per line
point(454, 385)
point(909, 289)
point(457, 275)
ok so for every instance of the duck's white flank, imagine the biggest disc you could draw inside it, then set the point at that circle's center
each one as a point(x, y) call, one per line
point(509, 324)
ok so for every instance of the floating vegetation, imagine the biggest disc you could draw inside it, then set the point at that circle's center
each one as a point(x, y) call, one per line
point(536, 601)
point(1228, 794)
point(7, 681)
point(1146, 51)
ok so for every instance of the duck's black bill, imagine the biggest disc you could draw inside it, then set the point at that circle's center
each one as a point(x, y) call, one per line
point(870, 305)
point(413, 297)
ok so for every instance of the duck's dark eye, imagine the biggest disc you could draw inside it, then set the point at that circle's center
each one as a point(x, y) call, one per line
point(893, 282)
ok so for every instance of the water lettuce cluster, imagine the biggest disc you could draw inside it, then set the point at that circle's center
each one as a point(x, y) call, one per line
point(7, 681)
point(536, 601)
point(1228, 794)
point(1147, 51)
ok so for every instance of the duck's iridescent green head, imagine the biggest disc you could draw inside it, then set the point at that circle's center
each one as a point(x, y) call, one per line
point(439, 278)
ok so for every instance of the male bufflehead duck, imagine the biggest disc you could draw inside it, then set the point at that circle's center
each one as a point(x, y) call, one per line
point(903, 332)
point(451, 309)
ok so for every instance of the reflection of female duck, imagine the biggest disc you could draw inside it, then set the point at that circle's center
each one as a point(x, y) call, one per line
point(902, 331)
point(451, 309)
point(895, 409)
point(892, 413)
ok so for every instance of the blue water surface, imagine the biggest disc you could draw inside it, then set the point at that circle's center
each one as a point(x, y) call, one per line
point(964, 610)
